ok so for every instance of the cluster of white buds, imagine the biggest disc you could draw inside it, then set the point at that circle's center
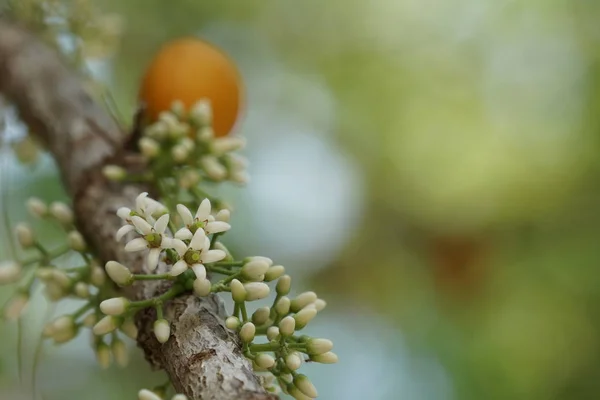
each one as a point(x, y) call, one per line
point(183, 144)
point(146, 394)
point(86, 283)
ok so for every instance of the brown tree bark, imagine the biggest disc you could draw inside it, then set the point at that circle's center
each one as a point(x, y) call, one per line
point(202, 357)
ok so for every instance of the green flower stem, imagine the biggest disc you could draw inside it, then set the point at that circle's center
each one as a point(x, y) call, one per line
point(87, 306)
point(218, 270)
point(244, 312)
point(236, 310)
point(255, 348)
point(83, 268)
point(229, 264)
point(42, 250)
point(142, 277)
point(214, 238)
point(51, 255)
point(159, 311)
point(168, 295)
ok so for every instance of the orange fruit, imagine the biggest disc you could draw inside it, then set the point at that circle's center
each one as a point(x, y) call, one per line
point(190, 69)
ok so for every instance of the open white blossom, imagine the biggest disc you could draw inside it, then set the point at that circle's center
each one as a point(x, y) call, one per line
point(152, 237)
point(203, 219)
point(195, 255)
point(145, 207)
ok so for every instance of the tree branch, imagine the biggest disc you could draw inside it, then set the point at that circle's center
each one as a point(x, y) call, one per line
point(202, 357)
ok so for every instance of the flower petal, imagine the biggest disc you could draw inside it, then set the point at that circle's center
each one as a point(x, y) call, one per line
point(153, 256)
point(136, 244)
point(213, 256)
point(199, 270)
point(140, 201)
point(161, 224)
point(184, 234)
point(217, 227)
point(166, 242)
point(206, 246)
point(140, 223)
point(179, 246)
point(178, 268)
point(124, 230)
point(124, 213)
point(197, 241)
point(186, 214)
point(203, 210)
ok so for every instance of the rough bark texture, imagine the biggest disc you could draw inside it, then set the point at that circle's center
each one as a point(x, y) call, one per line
point(202, 357)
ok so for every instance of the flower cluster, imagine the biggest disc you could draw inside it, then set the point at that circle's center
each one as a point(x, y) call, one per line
point(85, 282)
point(197, 261)
point(183, 144)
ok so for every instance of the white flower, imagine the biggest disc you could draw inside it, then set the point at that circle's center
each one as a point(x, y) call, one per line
point(195, 255)
point(152, 237)
point(145, 207)
point(202, 219)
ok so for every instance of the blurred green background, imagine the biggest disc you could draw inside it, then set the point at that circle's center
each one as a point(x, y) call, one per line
point(431, 168)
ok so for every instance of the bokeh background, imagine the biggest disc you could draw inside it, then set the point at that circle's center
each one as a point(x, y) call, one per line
point(430, 168)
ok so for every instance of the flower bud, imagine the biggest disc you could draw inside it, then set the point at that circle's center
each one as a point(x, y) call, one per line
point(318, 346)
point(128, 327)
point(264, 360)
point(61, 278)
point(119, 273)
point(37, 207)
point(304, 316)
point(201, 113)
point(162, 330)
point(75, 241)
point(24, 235)
point(287, 326)
point(98, 277)
point(62, 213)
point(202, 287)
point(232, 323)
point(261, 315)
point(283, 306)
point(105, 325)
point(213, 168)
point(10, 271)
point(227, 144)
point(223, 215)
point(15, 306)
point(238, 292)
point(297, 394)
point(149, 147)
point(247, 332)
point(64, 329)
point(114, 172)
point(82, 290)
point(320, 304)
point(115, 306)
point(179, 397)
point(283, 285)
point(179, 153)
point(293, 361)
point(305, 385)
point(302, 300)
point(254, 269)
point(272, 333)
point(256, 291)
point(103, 355)
point(146, 394)
point(325, 358)
point(120, 353)
point(274, 272)
point(90, 320)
